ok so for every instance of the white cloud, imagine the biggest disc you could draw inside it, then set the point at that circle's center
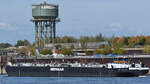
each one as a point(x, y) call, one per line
point(116, 27)
point(6, 26)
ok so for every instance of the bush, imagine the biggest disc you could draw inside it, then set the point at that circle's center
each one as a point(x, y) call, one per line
point(147, 49)
point(118, 51)
point(66, 51)
point(97, 51)
point(46, 52)
point(106, 50)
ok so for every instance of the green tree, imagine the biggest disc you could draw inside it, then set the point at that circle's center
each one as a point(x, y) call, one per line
point(126, 41)
point(106, 50)
point(87, 52)
point(46, 52)
point(23, 43)
point(66, 51)
point(97, 51)
point(99, 38)
point(66, 39)
point(5, 45)
point(27, 43)
point(84, 40)
point(118, 51)
point(147, 40)
point(147, 49)
point(113, 41)
point(132, 41)
point(142, 40)
point(20, 43)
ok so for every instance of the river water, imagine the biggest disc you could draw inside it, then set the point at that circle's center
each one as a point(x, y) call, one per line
point(74, 80)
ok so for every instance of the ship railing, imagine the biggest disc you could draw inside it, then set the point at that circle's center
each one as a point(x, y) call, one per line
point(58, 64)
point(76, 57)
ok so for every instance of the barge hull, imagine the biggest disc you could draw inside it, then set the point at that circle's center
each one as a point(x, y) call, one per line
point(72, 72)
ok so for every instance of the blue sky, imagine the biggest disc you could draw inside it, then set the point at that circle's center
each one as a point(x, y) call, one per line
point(78, 18)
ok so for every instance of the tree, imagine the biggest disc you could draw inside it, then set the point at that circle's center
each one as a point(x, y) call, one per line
point(5, 45)
point(99, 38)
point(84, 40)
point(97, 51)
point(27, 43)
point(113, 41)
point(66, 51)
point(120, 42)
point(66, 39)
point(23, 43)
point(106, 50)
point(138, 40)
point(142, 40)
point(46, 52)
point(147, 40)
point(132, 41)
point(87, 52)
point(20, 43)
point(147, 49)
point(118, 51)
point(126, 41)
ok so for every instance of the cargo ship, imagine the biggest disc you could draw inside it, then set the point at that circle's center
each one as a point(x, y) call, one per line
point(76, 70)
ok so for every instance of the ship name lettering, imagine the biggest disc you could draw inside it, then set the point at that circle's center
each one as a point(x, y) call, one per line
point(57, 69)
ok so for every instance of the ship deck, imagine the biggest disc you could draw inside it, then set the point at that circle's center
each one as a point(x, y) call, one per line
point(145, 59)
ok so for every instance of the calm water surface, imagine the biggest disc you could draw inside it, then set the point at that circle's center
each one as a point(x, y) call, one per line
point(74, 80)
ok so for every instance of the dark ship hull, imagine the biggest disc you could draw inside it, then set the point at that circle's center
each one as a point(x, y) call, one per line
point(33, 71)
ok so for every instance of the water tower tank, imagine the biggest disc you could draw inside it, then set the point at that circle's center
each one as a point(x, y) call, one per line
point(45, 11)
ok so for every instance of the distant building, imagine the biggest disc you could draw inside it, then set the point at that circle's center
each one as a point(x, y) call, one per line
point(130, 51)
point(19, 47)
point(11, 48)
point(92, 45)
point(134, 51)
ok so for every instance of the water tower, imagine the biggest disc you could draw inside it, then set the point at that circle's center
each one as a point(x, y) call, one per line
point(45, 17)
